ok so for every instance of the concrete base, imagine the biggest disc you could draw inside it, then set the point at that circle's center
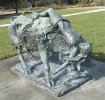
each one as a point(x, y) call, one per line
point(13, 87)
point(63, 82)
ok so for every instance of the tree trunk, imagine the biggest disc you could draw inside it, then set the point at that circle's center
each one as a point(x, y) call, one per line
point(16, 6)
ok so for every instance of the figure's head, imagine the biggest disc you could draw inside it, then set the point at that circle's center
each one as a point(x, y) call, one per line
point(85, 48)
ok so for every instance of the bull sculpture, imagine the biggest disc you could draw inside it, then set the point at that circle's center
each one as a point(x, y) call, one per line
point(43, 32)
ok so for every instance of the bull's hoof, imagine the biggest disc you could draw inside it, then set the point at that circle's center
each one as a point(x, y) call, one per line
point(49, 84)
point(27, 71)
point(52, 83)
point(75, 74)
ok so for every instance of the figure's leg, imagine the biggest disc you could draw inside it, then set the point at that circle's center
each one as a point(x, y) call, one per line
point(44, 57)
point(21, 58)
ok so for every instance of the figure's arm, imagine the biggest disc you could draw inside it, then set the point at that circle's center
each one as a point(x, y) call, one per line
point(73, 52)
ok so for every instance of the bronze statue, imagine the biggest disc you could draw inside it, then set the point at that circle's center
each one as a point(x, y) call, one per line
point(49, 32)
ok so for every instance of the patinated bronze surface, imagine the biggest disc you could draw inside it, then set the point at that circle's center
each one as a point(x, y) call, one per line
point(63, 55)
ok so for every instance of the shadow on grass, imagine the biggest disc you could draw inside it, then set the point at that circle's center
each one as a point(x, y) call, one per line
point(98, 56)
point(98, 71)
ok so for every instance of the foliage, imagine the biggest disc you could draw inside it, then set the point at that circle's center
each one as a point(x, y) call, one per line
point(15, 4)
point(10, 4)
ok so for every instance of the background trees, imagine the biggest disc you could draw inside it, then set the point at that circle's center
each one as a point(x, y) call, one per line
point(10, 4)
point(15, 4)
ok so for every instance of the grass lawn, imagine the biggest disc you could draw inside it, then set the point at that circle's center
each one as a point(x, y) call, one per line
point(5, 44)
point(5, 18)
point(74, 10)
point(91, 26)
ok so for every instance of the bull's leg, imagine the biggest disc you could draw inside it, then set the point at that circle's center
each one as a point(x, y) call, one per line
point(30, 55)
point(21, 58)
point(44, 58)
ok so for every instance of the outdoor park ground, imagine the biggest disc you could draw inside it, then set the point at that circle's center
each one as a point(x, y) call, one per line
point(91, 26)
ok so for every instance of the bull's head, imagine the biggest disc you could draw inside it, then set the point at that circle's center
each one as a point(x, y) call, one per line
point(17, 24)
